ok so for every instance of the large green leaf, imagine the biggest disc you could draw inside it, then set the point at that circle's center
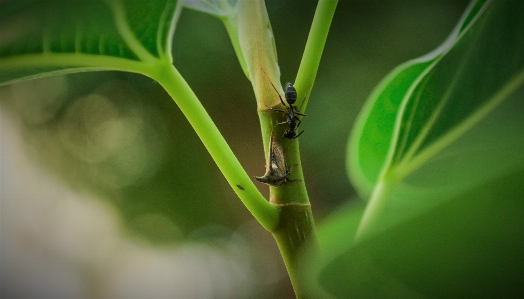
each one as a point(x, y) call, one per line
point(446, 133)
point(437, 125)
point(371, 137)
point(39, 38)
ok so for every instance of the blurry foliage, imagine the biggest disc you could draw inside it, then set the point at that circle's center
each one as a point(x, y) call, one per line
point(180, 183)
point(437, 149)
point(365, 42)
point(468, 247)
point(121, 139)
point(152, 167)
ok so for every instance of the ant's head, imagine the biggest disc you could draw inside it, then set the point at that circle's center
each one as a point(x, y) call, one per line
point(291, 93)
point(289, 134)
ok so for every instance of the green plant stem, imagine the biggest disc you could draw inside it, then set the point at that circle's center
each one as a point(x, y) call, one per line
point(296, 230)
point(179, 90)
point(307, 71)
point(296, 235)
point(376, 205)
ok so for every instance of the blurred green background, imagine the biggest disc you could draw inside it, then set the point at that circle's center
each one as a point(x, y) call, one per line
point(118, 139)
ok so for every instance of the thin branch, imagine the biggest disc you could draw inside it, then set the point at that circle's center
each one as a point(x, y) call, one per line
point(307, 71)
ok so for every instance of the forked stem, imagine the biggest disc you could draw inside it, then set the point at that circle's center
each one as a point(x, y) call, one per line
point(179, 90)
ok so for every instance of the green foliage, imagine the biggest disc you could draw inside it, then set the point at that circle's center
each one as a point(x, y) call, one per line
point(423, 107)
point(438, 147)
point(50, 37)
point(44, 38)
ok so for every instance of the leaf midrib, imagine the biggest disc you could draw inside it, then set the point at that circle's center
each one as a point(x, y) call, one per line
point(408, 166)
point(79, 61)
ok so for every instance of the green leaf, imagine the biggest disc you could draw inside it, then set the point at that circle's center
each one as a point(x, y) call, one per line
point(39, 38)
point(373, 131)
point(444, 124)
point(439, 147)
point(455, 93)
point(469, 247)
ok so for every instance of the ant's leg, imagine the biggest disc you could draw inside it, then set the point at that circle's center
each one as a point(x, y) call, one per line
point(298, 135)
point(290, 116)
point(278, 110)
point(298, 109)
point(301, 114)
point(298, 122)
point(303, 101)
point(281, 101)
point(287, 121)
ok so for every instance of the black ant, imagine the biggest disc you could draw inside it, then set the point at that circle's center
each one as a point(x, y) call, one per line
point(291, 111)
